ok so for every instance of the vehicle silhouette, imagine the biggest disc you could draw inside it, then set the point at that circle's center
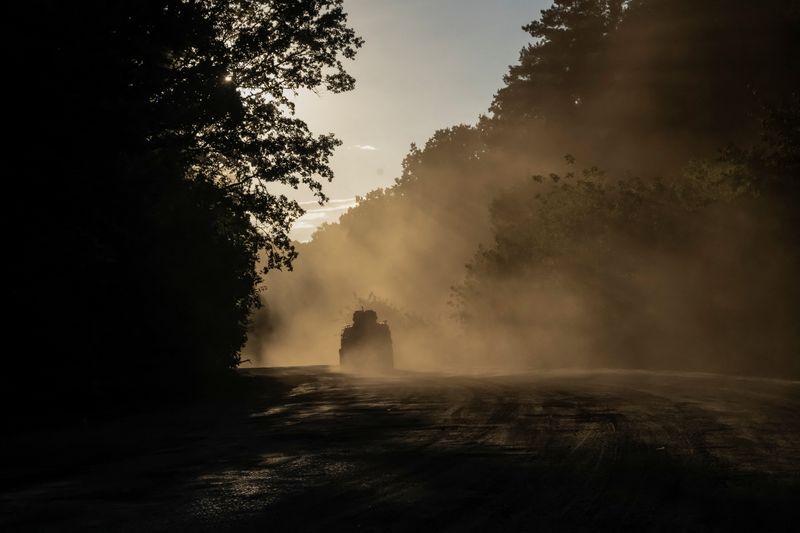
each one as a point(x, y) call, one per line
point(366, 344)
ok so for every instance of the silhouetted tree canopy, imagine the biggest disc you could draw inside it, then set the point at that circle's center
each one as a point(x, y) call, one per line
point(153, 138)
point(565, 65)
point(677, 75)
point(610, 266)
point(694, 272)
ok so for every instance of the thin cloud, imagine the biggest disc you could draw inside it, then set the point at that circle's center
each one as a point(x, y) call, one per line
point(303, 226)
point(367, 147)
point(311, 215)
point(324, 213)
point(313, 218)
point(332, 208)
point(350, 200)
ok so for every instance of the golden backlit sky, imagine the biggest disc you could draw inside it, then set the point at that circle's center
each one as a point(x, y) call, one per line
point(426, 64)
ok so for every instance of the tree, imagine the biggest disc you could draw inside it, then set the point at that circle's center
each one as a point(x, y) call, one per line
point(626, 83)
point(638, 88)
point(695, 272)
point(561, 69)
point(151, 137)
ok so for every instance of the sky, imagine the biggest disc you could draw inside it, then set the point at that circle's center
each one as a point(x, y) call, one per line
point(425, 65)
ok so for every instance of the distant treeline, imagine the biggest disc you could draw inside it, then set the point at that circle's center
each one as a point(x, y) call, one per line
point(629, 199)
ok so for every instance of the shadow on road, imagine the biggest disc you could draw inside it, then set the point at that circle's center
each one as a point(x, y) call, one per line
point(313, 449)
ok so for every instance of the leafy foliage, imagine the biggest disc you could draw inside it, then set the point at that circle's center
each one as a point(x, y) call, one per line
point(153, 136)
point(594, 262)
point(564, 65)
point(636, 252)
point(632, 80)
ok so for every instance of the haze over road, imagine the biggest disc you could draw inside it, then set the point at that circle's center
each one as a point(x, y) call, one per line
point(317, 449)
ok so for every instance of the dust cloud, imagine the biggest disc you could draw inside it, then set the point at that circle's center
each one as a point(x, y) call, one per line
point(494, 252)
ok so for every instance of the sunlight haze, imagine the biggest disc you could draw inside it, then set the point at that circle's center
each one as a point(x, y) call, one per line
point(467, 46)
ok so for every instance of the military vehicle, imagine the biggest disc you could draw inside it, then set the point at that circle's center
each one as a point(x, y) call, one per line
point(366, 344)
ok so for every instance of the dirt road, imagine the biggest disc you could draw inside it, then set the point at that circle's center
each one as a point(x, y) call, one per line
point(318, 450)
